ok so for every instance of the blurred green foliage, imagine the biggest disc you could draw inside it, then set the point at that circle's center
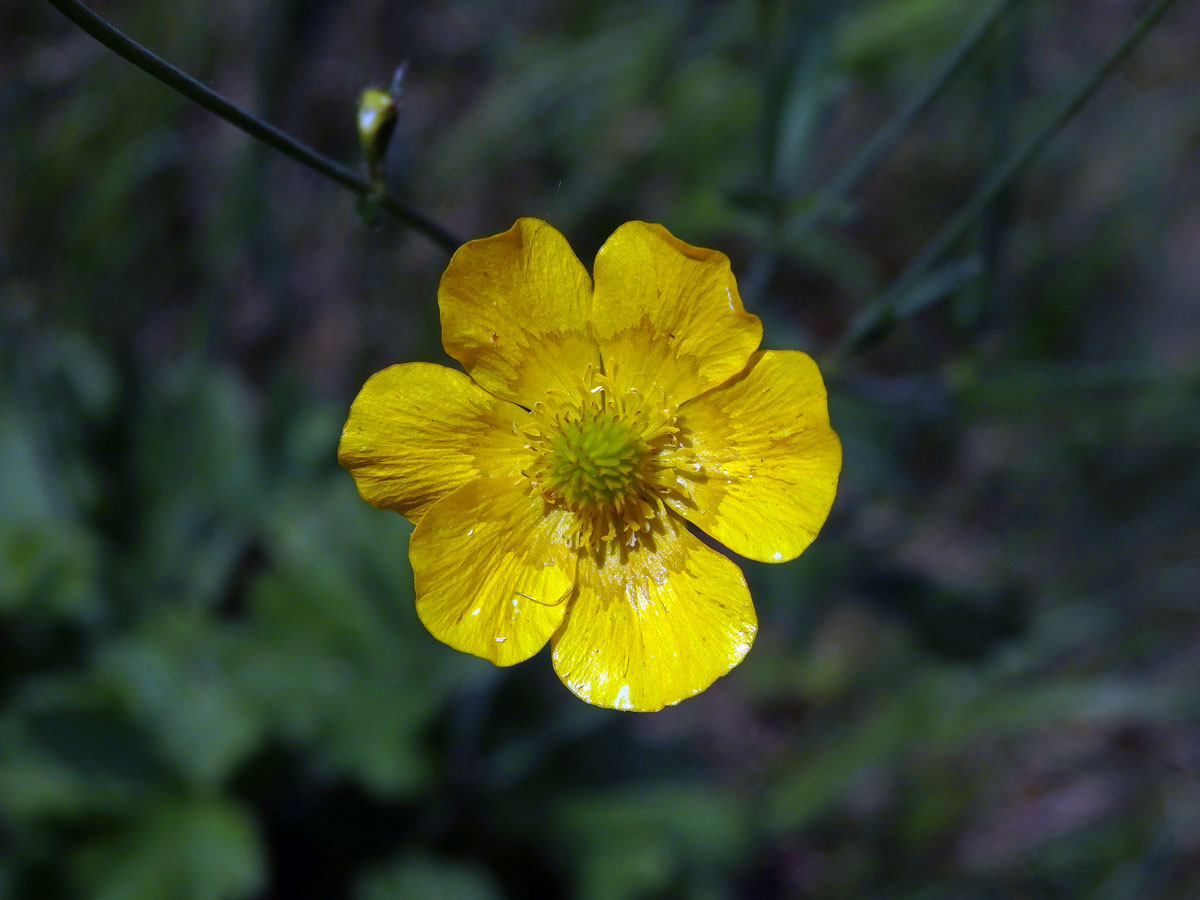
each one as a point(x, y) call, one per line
point(978, 683)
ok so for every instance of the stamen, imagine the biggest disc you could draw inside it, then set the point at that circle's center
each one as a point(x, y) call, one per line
point(542, 602)
point(606, 454)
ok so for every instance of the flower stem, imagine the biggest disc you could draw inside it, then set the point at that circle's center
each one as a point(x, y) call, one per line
point(833, 198)
point(847, 178)
point(889, 308)
point(185, 84)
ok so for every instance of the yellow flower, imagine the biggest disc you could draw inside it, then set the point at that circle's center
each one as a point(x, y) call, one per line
point(552, 485)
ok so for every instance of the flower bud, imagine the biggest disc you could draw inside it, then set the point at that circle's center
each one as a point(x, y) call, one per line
point(376, 123)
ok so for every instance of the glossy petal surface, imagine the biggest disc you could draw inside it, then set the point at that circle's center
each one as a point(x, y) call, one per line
point(538, 483)
point(667, 315)
point(769, 460)
point(654, 628)
point(492, 569)
point(515, 312)
point(417, 431)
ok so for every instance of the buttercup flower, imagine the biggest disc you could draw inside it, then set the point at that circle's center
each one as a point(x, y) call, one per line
point(553, 485)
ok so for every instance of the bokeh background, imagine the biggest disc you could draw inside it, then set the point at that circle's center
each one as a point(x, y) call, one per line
point(980, 681)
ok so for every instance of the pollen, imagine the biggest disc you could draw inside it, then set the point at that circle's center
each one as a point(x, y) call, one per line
point(607, 456)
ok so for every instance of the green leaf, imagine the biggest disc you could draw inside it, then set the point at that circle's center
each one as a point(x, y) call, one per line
point(640, 841)
point(421, 877)
point(48, 560)
point(335, 657)
point(875, 30)
point(941, 711)
point(174, 674)
point(205, 848)
point(201, 484)
point(70, 754)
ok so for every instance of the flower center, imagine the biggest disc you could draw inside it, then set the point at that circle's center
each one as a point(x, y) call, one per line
point(596, 460)
point(606, 455)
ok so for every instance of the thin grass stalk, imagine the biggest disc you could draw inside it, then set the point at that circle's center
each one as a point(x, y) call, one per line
point(888, 309)
point(179, 81)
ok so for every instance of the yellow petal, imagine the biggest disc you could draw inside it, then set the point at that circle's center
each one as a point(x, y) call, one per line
point(515, 312)
point(492, 569)
point(655, 627)
point(417, 432)
point(667, 315)
point(768, 458)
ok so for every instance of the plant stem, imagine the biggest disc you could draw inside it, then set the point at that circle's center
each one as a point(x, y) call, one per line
point(185, 84)
point(886, 310)
point(832, 200)
point(847, 178)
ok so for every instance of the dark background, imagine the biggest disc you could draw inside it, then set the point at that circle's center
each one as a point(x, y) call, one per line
point(980, 681)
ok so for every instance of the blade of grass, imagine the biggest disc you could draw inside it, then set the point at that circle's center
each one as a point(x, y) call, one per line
point(889, 308)
point(1004, 61)
point(833, 199)
point(798, 92)
point(941, 711)
point(280, 140)
point(835, 194)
